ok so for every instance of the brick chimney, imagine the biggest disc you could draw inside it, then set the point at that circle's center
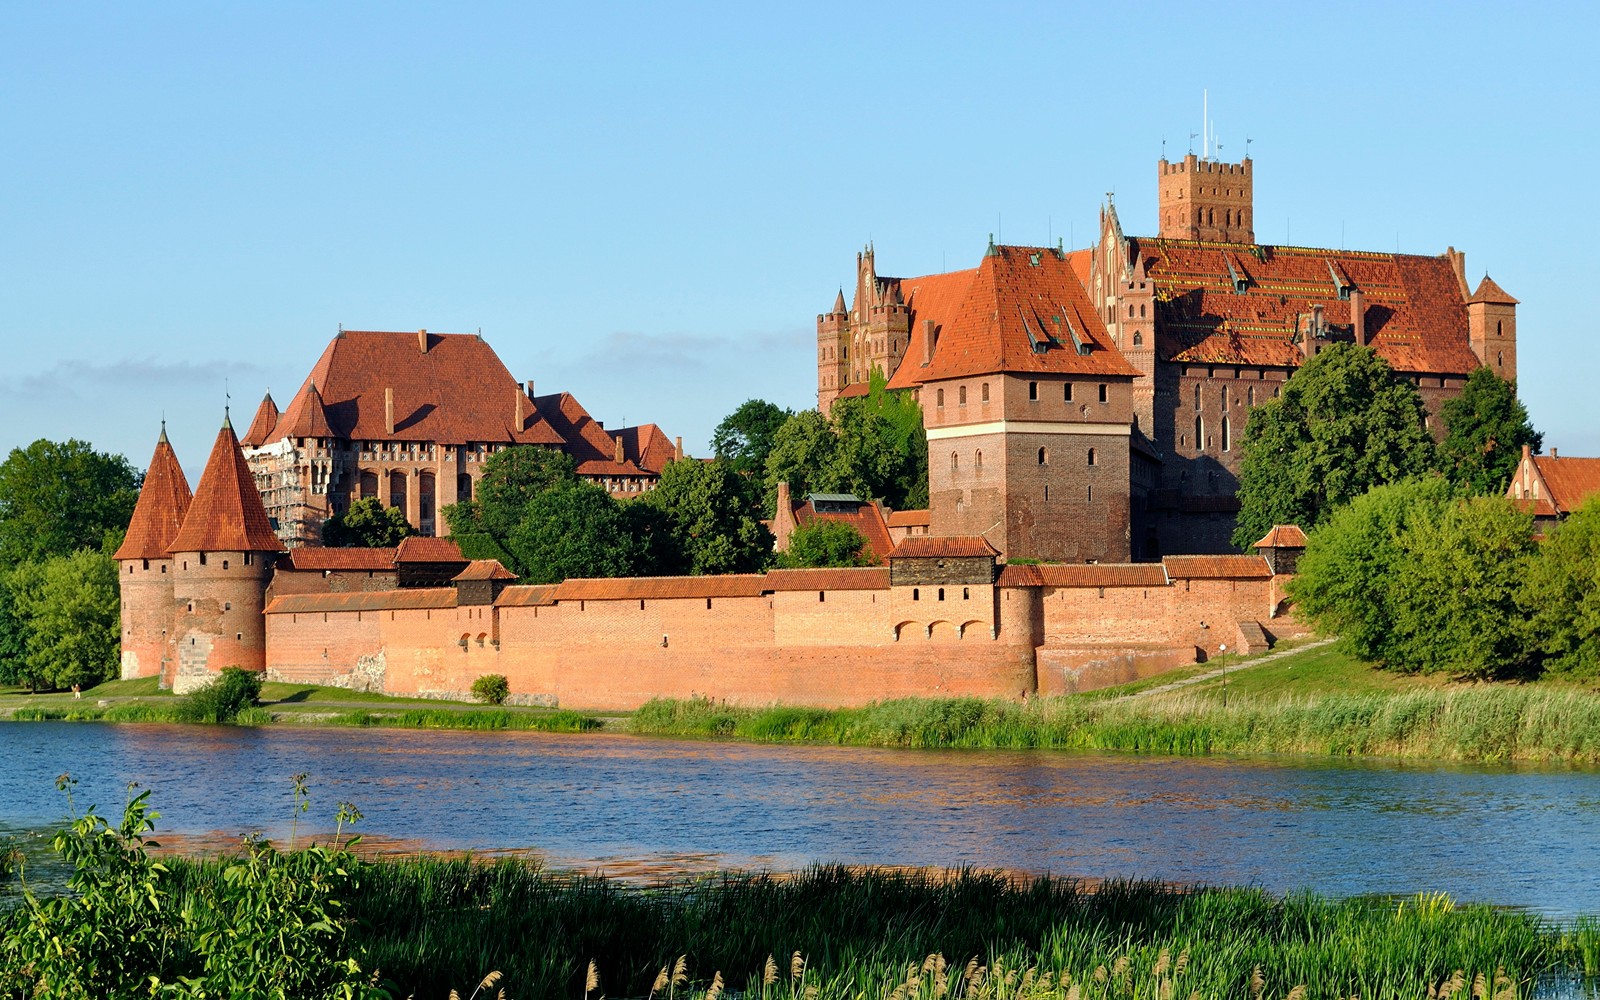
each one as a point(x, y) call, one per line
point(927, 342)
point(522, 417)
point(1358, 316)
point(388, 411)
point(1458, 264)
point(530, 389)
point(422, 340)
point(618, 440)
point(677, 447)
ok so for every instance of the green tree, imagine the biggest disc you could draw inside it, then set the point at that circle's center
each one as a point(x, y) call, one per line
point(710, 524)
point(824, 543)
point(68, 610)
point(13, 668)
point(1343, 425)
point(1416, 578)
point(512, 478)
point(1561, 595)
point(883, 449)
point(574, 529)
point(58, 497)
point(745, 437)
point(803, 456)
point(367, 524)
point(1485, 429)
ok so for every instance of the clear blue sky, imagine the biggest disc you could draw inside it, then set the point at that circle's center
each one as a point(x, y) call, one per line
point(648, 204)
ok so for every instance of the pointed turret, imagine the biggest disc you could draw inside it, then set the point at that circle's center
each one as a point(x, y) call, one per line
point(1492, 328)
point(226, 514)
point(260, 430)
point(306, 416)
point(838, 304)
point(163, 502)
point(1492, 293)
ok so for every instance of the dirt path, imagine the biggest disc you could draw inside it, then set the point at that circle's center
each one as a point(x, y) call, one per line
point(1213, 674)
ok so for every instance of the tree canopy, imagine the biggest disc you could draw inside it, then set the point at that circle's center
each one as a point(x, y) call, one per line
point(744, 438)
point(58, 497)
point(824, 543)
point(68, 609)
point(1561, 594)
point(710, 526)
point(1343, 425)
point(367, 524)
point(573, 529)
point(1485, 429)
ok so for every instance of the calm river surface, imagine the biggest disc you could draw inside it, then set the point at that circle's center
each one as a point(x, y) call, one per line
point(1516, 836)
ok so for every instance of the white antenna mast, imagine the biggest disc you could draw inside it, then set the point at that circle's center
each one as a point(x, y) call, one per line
point(1205, 124)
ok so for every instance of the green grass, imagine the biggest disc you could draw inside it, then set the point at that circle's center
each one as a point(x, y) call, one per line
point(554, 721)
point(429, 925)
point(276, 693)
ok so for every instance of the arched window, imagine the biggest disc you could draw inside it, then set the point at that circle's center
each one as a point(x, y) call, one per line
point(1091, 456)
point(1141, 310)
point(1138, 338)
point(1130, 310)
point(955, 463)
point(1227, 217)
point(961, 396)
point(1499, 359)
point(983, 392)
point(1227, 437)
point(463, 487)
point(1199, 433)
point(977, 460)
point(1042, 456)
point(1197, 395)
point(938, 399)
point(1250, 395)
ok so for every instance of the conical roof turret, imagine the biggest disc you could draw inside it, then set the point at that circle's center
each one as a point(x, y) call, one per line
point(227, 514)
point(1489, 291)
point(163, 502)
point(266, 419)
point(838, 304)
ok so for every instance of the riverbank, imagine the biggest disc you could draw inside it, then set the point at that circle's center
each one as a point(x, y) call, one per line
point(1315, 701)
point(290, 705)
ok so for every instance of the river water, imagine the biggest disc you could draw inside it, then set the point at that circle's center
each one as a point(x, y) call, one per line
point(1516, 836)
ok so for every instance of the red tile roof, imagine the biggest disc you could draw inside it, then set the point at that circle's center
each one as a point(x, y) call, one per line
point(261, 427)
point(660, 587)
point(589, 444)
point(318, 558)
point(1415, 317)
point(526, 597)
point(455, 392)
point(935, 297)
point(1283, 536)
point(1216, 567)
point(416, 598)
point(422, 549)
point(1085, 575)
point(647, 446)
point(867, 519)
point(483, 569)
point(1018, 298)
point(946, 547)
point(862, 578)
point(306, 417)
point(1571, 481)
point(226, 514)
point(909, 518)
point(1490, 292)
point(163, 502)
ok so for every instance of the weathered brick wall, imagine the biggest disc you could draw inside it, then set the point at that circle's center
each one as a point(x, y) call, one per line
point(146, 586)
point(218, 621)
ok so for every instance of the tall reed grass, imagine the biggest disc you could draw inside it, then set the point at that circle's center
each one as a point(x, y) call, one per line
point(1460, 724)
point(426, 923)
point(560, 721)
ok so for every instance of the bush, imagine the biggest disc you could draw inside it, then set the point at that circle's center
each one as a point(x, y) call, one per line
point(223, 699)
point(492, 688)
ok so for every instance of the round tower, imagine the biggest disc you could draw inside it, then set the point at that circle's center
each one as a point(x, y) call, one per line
point(145, 566)
point(222, 560)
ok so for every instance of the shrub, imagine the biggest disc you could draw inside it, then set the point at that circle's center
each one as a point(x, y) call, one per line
point(491, 688)
point(224, 698)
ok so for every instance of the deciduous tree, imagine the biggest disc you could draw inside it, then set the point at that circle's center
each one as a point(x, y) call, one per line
point(1485, 429)
point(710, 525)
point(824, 543)
point(58, 497)
point(745, 437)
point(1343, 425)
point(574, 529)
point(367, 524)
point(69, 611)
point(1561, 595)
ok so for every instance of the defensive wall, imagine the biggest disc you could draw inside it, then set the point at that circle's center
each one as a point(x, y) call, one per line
point(826, 637)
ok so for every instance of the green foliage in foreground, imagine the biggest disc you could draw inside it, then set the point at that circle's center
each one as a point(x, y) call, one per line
point(367, 524)
point(824, 543)
point(64, 620)
point(320, 922)
point(234, 691)
point(493, 689)
point(562, 721)
point(1462, 724)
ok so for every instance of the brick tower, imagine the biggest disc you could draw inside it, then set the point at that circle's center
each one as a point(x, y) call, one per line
point(1492, 328)
point(833, 353)
point(872, 335)
point(1206, 199)
point(145, 565)
point(221, 563)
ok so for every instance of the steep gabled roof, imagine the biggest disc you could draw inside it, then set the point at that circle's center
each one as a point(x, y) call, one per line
point(594, 450)
point(1282, 536)
point(306, 417)
point(260, 430)
point(935, 298)
point(647, 446)
point(163, 502)
point(450, 388)
point(1492, 293)
point(226, 514)
point(1570, 481)
point(1414, 314)
point(1024, 312)
point(483, 569)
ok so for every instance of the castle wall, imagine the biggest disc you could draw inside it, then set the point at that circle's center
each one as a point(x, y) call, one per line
point(218, 599)
point(146, 586)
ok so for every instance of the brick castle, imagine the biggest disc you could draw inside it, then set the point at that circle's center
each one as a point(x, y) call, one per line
point(1081, 408)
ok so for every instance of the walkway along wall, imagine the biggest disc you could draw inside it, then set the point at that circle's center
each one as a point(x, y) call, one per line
point(812, 637)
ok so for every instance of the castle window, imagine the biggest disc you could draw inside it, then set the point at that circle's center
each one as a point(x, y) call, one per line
point(961, 396)
point(1500, 359)
point(941, 593)
point(916, 593)
point(1250, 395)
point(224, 564)
point(966, 593)
point(1033, 390)
point(1091, 456)
point(938, 399)
point(1141, 308)
point(1066, 393)
point(977, 460)
point(1091, 494)
point(1224, 397)
point(708, 604)
point(822, 595)
point(163, 568)
point(1227, 436)
point(1138, 338)
point(227, 605)
point(1103, 395)
point(1197, 395)
point(1042, 456)
point(1199, 433)
point(1130, 310)
point(146, 566)
point(983, 392)
point(1498, 328)
point(955, 463)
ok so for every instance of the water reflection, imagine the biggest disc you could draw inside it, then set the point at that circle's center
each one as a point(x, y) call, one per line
point(1517, 836)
